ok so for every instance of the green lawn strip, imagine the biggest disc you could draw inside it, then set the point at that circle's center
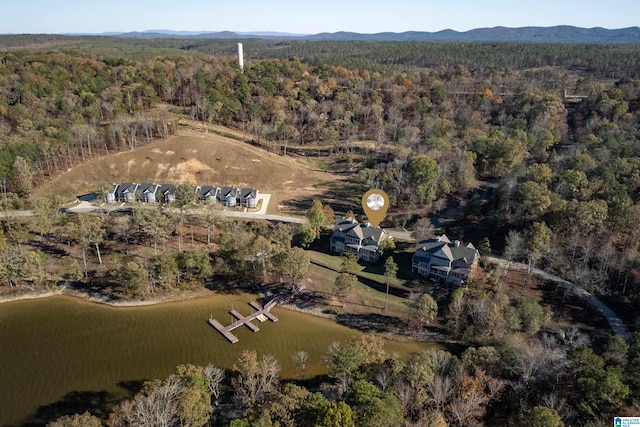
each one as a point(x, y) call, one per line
point(362, 298)
point(371, 272)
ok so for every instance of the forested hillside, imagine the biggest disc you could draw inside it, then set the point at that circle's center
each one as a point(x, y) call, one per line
point(568, 182)
point(550, 180)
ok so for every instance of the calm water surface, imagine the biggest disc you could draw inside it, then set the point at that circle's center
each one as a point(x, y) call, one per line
point(63, 352)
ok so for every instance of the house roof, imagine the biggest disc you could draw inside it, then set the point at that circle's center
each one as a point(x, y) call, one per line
point(351, 227)
point(344, 224)
point(377, 234)
point(126, 187)
point(208, 191)
point(226, 192)
point(167, 188)
point(248, 192)
point(147, 188)
point(442, 247)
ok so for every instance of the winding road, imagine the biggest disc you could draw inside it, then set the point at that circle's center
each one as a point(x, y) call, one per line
point(615, 323)
point(83, 207)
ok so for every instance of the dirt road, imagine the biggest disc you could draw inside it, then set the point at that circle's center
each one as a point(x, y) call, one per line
point(615, 323)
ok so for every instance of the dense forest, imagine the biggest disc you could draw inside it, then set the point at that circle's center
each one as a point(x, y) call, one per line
point(436, 131)
point(553, 181)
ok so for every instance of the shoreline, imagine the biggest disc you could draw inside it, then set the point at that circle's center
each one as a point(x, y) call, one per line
point(204, 293)
point(100, 299)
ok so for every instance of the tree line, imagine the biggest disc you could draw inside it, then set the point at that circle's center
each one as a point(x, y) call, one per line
point(152, 252)
point(543, 382)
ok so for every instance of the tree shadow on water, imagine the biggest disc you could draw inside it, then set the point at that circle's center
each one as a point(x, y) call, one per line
point(98, 403)
point(132, 386)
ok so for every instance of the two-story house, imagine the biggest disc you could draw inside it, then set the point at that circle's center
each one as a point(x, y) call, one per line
point(228, 196)
point(146, 192)
point(363, 240)
point(208, 193)
point(248, 197)
point(126, 192)
point(441, 259)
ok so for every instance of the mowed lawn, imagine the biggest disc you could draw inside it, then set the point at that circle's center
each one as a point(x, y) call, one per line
point(361, 299)
point(199, 158)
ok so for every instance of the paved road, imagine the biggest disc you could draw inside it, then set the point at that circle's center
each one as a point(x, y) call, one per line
point(17, 213)
point(615, 323)
point(84, 207)
point(400, 235)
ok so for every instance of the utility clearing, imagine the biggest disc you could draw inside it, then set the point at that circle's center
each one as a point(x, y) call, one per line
point(198, 158)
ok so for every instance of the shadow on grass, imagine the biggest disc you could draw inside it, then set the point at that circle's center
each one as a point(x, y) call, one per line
point(372, 322)
point(309, 300)
point(227, 286)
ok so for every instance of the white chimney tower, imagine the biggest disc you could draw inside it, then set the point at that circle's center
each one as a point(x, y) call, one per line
point(240, 57)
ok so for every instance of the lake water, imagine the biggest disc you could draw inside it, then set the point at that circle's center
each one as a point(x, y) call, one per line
point(61, 352)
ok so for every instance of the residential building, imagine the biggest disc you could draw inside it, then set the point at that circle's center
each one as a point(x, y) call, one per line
point(363, 240)
point(228, 196)
point(442, 260)
point(110, 195)
point(146, 192)
point(248, 197)
point(166, 193)
point(126, 192)
point(208, 193)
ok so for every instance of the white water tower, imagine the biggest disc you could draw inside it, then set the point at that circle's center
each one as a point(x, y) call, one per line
point(240, 57)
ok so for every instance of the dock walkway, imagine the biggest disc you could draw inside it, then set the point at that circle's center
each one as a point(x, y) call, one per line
point(261, 313)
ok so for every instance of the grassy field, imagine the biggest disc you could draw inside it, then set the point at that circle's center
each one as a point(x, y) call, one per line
point(371, 272)
point(361, 300)
point(194, 157)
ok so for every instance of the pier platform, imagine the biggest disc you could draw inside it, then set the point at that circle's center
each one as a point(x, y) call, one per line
point(261, 313)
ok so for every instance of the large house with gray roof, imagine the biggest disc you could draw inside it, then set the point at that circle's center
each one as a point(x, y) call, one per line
point(166, 193)
point(363, 240)
point(443, 260)
point(228, 196)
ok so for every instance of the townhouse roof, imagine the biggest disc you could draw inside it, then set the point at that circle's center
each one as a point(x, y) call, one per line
point(248, 192)
point(207, 191)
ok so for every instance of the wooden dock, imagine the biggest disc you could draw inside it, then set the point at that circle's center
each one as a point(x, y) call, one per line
point(261, 313)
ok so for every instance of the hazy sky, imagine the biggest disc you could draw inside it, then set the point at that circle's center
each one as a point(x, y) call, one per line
point(308, 17)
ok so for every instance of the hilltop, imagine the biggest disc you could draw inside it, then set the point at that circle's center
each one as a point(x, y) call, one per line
point(195, 157)
point(555, 34)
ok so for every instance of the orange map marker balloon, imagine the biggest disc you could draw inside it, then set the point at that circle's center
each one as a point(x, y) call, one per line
point(375, 204)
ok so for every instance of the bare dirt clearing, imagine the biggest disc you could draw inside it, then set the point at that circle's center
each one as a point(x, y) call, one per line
point(205, 159)
point(568, 309)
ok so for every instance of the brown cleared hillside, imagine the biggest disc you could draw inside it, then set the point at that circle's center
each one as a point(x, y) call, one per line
point(198, 158)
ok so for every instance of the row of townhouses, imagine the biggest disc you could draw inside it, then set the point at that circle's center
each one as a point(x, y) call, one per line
point(130, 192)
point(438, 258)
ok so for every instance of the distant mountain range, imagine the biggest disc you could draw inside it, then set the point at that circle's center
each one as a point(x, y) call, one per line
point(557, 34)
